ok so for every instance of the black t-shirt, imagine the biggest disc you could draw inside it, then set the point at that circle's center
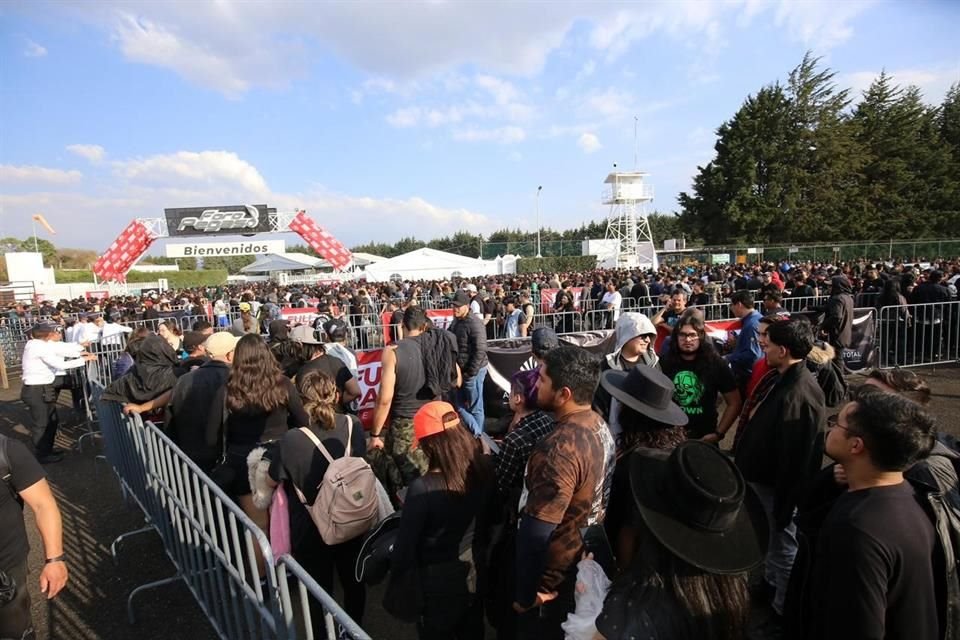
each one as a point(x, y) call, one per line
point(873, 569)
point(300, 463)
point(330, 365)
point(25, 471)
point(696, 385)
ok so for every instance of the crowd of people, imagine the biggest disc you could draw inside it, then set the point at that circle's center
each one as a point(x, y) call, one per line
point(666, 472)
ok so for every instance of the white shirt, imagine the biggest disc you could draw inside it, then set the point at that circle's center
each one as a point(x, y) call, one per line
point(346, 356)
point(111, 331)
point(41, 362)
point(614, 299)
point(86, 332)
point(475, 308)
point(67, 351)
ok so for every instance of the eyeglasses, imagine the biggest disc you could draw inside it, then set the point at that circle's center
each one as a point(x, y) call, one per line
point(688, 336)
point(834, 422)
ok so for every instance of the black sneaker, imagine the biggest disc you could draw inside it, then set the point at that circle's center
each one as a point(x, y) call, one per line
point(50, 458)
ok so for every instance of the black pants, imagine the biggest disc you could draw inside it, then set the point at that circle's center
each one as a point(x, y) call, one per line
point(41, 401)
point(468, 627)
point(320, 559)
point(15, 621)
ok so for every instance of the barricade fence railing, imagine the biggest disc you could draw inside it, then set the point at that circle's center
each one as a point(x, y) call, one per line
point(928, 336)
point(914, 335)
point(212, 543)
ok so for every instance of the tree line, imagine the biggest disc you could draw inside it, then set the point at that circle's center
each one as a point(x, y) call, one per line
point(502, 241)
point(805, 162)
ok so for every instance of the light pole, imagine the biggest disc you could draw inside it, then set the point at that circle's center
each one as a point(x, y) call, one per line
point(538, 221)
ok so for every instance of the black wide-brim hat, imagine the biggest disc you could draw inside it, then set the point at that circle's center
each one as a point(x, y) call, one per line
point(696, 503)
point(646, 390)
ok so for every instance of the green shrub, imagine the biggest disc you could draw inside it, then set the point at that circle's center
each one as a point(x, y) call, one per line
point(556, 264)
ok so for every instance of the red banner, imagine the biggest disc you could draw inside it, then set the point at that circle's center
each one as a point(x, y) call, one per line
point(123, 253)
point(320, 240)
point(368, 377)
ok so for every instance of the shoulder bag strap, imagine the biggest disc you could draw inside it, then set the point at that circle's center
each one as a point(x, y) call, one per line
point(349, 436)
point(224, 415)
point(317, 443)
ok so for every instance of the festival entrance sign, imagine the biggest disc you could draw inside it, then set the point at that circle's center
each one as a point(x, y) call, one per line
point(205, 222)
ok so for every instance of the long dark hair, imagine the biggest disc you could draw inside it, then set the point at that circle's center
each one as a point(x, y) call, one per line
point(255, 382)
point(458, 456)
point(890, 296)
point(642, 431)
point(706, 349)
point(711, 606)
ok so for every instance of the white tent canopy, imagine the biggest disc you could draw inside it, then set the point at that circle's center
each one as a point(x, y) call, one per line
point(429, 264)
point(284, 262)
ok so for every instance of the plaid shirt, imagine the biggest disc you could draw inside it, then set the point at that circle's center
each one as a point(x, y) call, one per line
point(517, 447)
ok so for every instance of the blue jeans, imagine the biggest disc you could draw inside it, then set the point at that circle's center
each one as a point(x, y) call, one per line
point(470, 401)
point(781, 549)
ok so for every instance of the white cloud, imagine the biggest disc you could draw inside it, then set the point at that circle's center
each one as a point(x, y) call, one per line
point(611, 103)
point(34, 50)
point(214, 168)
point(215, 60)
point(819, 24)
point(30, 174)
point(501, 135)
point(266, 44)
point(933, 82)
point(503, 92)
point(143, 187)
point(405, 117)
point(589, 142)
point(92, 152)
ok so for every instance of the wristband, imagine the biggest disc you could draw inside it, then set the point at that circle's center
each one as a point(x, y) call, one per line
point(719, 434)
point(59, 558)
point(375, 435)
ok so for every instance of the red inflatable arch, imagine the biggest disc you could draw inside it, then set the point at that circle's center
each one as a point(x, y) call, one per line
point(246, 220)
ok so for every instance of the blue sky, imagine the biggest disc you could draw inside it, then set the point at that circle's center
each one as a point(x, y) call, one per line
point(394, 118)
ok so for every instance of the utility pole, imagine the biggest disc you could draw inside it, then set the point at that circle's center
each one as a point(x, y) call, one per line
point(540, 188)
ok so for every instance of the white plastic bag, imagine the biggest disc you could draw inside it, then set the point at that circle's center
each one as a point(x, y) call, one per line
point(592, 587)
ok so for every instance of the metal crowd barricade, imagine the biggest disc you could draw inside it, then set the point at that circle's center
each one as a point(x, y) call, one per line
point(919, 334)
point(212, 544)
point(307, 592)
point(209, 540)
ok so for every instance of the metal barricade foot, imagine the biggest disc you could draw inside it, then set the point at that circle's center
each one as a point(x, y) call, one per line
point(90, 434)
point(123, 536)
point(144, 587)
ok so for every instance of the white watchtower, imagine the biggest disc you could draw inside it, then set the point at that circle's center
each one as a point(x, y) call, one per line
point(627, 223)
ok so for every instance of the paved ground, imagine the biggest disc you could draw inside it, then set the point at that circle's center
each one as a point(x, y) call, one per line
point(94, 604)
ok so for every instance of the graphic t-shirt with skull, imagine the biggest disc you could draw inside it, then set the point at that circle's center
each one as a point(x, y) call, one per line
point(696, 385)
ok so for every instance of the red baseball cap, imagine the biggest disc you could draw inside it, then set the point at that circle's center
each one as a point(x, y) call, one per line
point(434, 417)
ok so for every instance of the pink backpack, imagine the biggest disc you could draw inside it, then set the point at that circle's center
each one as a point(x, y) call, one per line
point(347, 503)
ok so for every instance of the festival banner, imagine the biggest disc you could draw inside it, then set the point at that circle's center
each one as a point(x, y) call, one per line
point(863, 353)
point(299, 315)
